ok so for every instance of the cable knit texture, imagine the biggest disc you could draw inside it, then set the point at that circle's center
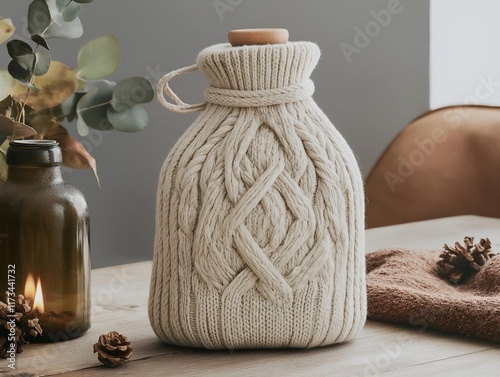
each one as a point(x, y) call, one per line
point(260, 211)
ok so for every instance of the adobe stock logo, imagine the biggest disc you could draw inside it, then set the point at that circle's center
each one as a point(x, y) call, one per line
point(453, 119)
point(224, 6)
point(372, 29)
point(423, 149)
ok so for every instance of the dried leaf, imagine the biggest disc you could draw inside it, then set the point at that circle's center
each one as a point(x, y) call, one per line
point(46, 126)
point(6, 106)
point(75, 155)
point(6, 29)
point(15, 129)
point(55, 86)
point(7, 82)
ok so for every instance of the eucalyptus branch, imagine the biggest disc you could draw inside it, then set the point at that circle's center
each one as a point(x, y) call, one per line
point(98, 105)
point(32, 78)
point(97, 59)
point(48, 26)
point(61, 117)
point(52, 21)
point(23, 106)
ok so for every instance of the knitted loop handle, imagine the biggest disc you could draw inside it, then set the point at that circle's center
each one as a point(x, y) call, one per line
point(230, 97)
point(179, 106)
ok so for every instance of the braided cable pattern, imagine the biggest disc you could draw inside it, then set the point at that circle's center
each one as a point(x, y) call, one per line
point(260, 214)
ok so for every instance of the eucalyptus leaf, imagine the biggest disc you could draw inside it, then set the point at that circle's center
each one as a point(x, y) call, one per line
point(6, 29)
point(70, 11)
point(68, 30)
point(6, 125)
point(81, 127)
point(19, 73)
point(17, 48)
point(55, 13)
point(27, 62)
point(6, 106)
point(60, 4)
point(7, 82)
point(63, 11)
point(42, 63)
point(38, 17)
point(54, 87)
point(68, 107)
point(99, 58)
point(131, 92)
point(14, 129)
point(75, 155)
point(34, 63)
point(23, 55)
point(131, 120)
point(38, 39)
point(91, 108)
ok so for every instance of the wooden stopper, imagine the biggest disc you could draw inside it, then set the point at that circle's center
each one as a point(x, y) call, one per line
point(242, 37)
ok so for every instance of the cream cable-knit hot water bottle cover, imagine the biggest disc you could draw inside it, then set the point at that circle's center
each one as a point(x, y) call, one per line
point(260, 211)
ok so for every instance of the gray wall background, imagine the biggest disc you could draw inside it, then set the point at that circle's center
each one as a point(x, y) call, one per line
point(369, 99)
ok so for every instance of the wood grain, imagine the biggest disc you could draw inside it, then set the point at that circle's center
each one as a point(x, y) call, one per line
point(245, 37)
point(120, 303)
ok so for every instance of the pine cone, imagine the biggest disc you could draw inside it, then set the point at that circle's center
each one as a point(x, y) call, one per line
point(113, 349)
point(23, 319)
point(459, 262)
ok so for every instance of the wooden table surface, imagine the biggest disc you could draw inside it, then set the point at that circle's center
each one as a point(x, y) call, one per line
point(120, 297)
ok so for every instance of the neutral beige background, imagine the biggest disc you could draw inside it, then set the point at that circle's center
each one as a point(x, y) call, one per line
point(369, 99)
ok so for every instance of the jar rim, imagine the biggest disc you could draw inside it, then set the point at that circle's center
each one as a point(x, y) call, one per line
point(34, 143)
point(34, 153)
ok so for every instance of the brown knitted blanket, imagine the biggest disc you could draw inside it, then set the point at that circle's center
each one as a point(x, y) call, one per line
point(404, 287)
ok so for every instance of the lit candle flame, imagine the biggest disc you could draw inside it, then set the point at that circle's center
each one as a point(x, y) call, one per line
point(29, 288)
point(31, 291)
point(38, 303)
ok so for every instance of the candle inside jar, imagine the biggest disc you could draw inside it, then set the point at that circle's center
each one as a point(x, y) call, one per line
point(56, 323)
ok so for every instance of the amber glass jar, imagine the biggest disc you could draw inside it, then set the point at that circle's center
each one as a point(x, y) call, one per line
point(44, 239)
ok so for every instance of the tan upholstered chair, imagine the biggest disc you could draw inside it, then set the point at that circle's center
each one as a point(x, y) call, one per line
point(444, 163)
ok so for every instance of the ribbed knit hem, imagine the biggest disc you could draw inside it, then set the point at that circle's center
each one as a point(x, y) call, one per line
point(258, 67)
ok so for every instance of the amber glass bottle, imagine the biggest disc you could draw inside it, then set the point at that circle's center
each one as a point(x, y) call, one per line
point(44, 240)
